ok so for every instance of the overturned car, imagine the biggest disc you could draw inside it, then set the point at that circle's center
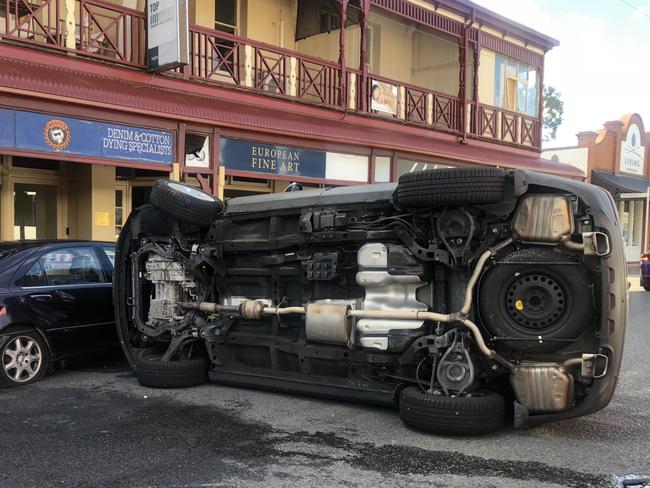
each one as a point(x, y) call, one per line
point(462, 296)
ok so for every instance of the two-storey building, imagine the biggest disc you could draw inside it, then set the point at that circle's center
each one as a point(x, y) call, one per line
point(617, 158)
point(322, 92)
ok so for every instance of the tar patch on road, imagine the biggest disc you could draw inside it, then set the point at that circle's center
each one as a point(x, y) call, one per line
point(84, 438)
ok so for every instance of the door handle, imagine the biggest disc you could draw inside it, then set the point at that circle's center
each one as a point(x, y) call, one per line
point(41, 296)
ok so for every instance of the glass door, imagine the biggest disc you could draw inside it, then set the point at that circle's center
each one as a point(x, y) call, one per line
point(35, 211)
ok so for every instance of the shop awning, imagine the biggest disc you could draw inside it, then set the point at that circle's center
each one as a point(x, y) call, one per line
point(140, 93)
point(618, 184)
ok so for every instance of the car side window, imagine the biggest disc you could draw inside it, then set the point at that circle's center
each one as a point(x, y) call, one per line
point(72, 266)
point(110, 254)
point(35, 276)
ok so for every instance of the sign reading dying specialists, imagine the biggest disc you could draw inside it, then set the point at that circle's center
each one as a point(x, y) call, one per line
point(41, 132)
point(256, 157)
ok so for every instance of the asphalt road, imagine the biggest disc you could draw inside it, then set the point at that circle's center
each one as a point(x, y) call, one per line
point(93, 425)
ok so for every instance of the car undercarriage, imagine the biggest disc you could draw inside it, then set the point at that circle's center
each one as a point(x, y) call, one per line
point(452, 294)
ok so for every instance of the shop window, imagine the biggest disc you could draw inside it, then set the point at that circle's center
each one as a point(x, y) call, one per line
point(35, 211)
point(382, 169)
point(197, 150)
point(631, 215)
point(516, 86)
point(410, 166)
point(346, 167)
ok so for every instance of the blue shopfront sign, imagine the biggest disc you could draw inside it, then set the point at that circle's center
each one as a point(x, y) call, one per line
point(46, 133)
point(256, 157)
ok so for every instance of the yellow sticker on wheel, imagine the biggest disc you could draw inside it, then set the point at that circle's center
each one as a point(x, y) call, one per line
point(519, 305)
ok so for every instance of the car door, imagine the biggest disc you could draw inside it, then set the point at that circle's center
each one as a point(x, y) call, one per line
point(70, 295)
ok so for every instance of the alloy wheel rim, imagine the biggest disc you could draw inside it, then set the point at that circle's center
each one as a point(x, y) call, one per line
point(22, 359)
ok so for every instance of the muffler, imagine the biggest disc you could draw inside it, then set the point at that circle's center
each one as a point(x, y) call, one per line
point(542, 387)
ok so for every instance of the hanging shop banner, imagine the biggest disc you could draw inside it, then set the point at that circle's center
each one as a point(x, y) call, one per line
point(167, 34)
point(47, 133)
point(256, 157)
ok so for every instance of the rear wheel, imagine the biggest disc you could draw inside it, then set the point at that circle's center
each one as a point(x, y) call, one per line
point(24, 359)
point(478, 413)
point(451, 186)
point(154, 373)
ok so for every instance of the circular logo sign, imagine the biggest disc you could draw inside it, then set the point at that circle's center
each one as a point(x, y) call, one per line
point(57, 134)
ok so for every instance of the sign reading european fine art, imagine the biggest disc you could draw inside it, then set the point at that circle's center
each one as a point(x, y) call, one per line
point(167, 34)
point(633, 152)
point(47, 133)
point(256, 157)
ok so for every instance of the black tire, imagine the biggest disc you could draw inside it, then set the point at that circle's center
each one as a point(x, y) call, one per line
point(185, 203)
point(477, 414)
point(14, 374)
point(451, 186)
point(154, 373)
point(646, 287)
point(561, 288)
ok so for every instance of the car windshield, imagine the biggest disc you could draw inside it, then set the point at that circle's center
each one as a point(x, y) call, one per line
point(5, 253)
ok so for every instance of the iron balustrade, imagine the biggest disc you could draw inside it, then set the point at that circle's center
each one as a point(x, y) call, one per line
point(111, 32)
point(495, 123)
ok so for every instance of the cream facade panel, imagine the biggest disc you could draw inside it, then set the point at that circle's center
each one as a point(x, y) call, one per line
point(486, 76)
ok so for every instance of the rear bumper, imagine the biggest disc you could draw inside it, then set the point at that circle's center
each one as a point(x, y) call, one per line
point(614, 296)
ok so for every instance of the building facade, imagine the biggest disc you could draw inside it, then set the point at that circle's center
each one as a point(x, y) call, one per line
point(322, 92)
point(617, 157)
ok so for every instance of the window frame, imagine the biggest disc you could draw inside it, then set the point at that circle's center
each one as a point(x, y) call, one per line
point(507, 85)
point(222, 26)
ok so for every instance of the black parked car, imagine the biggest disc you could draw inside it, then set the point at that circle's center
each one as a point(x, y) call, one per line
point(55, 302)
point(446, 294)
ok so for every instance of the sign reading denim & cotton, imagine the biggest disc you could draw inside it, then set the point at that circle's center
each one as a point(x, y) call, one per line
point(66, 135)
point(257, 157)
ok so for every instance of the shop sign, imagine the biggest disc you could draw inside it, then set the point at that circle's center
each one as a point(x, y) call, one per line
point(47, 133)
point(256, 157)
point(167, 34)
point(633, 152)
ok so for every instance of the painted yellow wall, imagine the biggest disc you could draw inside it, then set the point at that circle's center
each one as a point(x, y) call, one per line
point(95, 197)
point(326, 46)
point(202, 13)
point(272, 21)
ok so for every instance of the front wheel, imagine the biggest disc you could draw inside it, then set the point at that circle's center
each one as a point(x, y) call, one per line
point(478, 413)
point(185, 203)
point(154, 373)
point(24, 359)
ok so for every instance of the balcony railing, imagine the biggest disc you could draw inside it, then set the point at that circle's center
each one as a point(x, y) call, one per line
point(223, 58)
point(101, 29)
point(504, 125)
point(111, 33)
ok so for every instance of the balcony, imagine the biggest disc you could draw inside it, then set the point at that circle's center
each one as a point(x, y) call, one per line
point(108, 32)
